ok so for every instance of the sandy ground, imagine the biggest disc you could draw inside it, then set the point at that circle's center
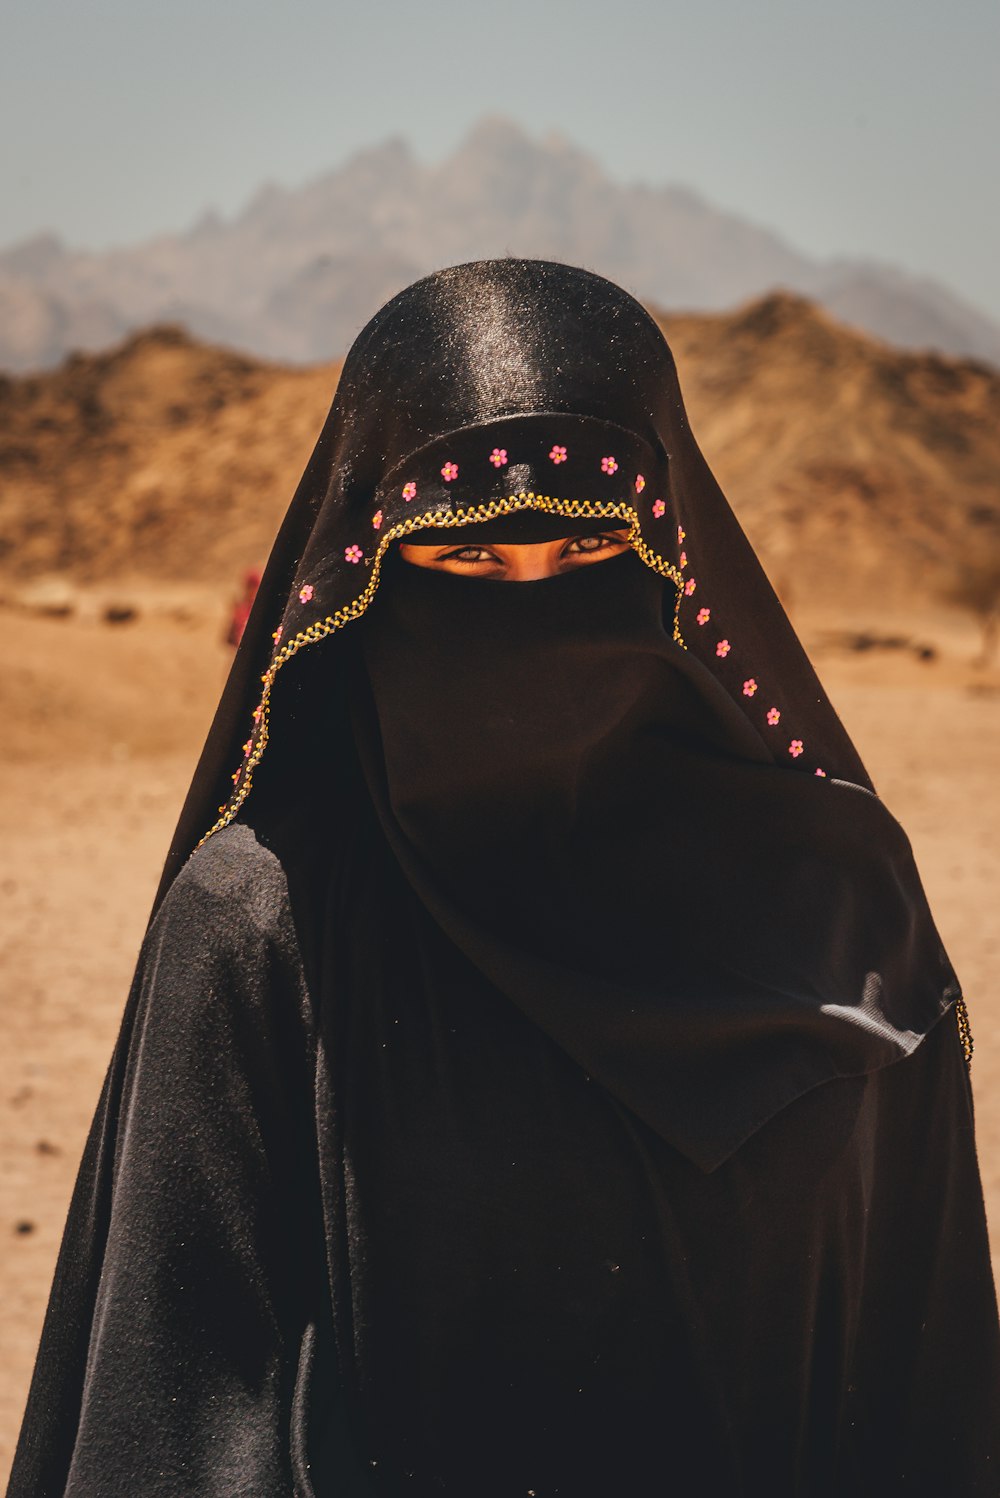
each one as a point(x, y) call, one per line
point(101, 726)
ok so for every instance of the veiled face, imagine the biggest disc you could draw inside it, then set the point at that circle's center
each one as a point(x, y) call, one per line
point(519, 563)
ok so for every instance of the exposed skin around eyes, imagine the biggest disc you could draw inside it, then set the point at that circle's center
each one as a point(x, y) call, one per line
point(518, 563)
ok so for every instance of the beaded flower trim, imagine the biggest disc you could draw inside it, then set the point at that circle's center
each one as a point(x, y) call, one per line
point(795, 748)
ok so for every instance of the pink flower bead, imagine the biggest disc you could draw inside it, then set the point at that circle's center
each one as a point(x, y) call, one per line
point(690, 586)
point(257, 710)
point(821, 772)
point(704, 615)
point(353, 554)
point(449, 471)
point(795, 748)
point(640, 483)
point(723, 648)
point(306, 593)
point(275, 637)
point(248, 746)
point(498, 457)
point(377, 520)
point(681, 533)
point(749, 687)
point(409, 491)
point(658, 508)
point(773, 716)
point(684, 559)
point(609, 465)
point(558, 454)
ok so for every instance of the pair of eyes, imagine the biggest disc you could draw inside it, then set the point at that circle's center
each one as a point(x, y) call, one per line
point(576, 548)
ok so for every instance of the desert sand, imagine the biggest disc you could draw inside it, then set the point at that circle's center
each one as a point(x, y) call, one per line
point(102, 727)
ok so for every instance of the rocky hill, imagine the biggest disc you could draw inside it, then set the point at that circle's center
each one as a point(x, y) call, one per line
point(297, 272)
point(857, 469)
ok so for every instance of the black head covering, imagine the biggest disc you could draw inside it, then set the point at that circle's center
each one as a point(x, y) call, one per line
point(488, 390)
point(624, 795)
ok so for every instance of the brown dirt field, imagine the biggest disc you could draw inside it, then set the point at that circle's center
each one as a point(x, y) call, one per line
point(101, 729)
point(854, 466)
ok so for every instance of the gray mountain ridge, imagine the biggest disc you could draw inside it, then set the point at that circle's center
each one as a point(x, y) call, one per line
point(298, 271)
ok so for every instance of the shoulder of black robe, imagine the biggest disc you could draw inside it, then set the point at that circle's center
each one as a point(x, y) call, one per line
point(184, 1345)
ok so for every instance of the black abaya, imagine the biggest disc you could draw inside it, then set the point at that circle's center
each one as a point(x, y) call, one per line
point(536, 1083)
point(533, 1291)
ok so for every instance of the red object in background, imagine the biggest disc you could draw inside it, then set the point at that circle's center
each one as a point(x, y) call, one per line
point(241, 608)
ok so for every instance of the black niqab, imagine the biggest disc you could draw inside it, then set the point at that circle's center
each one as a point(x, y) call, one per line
point(598, 828)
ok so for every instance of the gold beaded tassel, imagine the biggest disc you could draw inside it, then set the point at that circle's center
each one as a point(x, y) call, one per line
point(964, 1030)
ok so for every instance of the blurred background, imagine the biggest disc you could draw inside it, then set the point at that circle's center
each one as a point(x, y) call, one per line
point(201, 206)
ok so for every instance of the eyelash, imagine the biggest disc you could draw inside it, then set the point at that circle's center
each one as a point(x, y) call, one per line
point(487, 556)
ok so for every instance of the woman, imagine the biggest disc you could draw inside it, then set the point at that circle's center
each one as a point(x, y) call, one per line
point(545, 1076)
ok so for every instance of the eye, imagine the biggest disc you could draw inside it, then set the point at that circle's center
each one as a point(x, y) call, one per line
point(588, 546)
point(470, 556)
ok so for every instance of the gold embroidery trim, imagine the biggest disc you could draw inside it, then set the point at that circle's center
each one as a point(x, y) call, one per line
point(964, 1030)
point(525, 500)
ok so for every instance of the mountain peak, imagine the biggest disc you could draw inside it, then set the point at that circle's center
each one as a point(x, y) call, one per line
point(35, 255)
point(770, 314)
point(496, 132)
point(382, 217)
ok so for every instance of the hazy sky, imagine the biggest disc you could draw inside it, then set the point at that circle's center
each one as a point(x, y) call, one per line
point(850, 126)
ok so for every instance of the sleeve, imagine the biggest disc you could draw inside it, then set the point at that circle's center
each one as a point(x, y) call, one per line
point(190, 1287)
